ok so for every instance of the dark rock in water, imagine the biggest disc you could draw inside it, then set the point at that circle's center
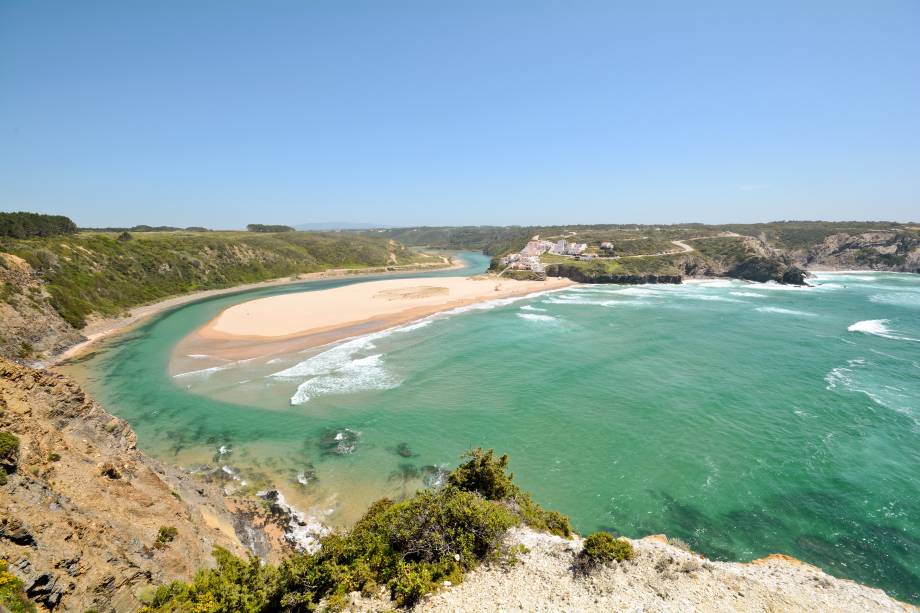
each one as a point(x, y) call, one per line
point(434, 475)
point(406, 472)
point(763, 269)
point(339, 442)
point(306, 476)
point(403, 450)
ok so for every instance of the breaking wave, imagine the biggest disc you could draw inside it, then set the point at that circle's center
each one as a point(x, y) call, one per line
point(537, 317)
point(878, 327)
point(782, 311)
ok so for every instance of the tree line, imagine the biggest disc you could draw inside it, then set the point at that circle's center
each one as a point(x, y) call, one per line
point(258, 227)
point(28, 225)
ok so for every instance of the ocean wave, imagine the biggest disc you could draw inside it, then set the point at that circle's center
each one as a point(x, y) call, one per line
point(779, 287)
point(537, 317)
point(748, 294)
point(855, 378)
point(710, 297)
point(878, 327)
point(782, 311)
point(530, 307)
point(356, 375)
point(905, 299)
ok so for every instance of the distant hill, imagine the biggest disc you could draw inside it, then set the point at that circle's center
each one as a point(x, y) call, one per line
point(338, 225)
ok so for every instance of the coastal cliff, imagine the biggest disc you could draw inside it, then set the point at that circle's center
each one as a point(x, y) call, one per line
point(89, 522)
point(895, 251)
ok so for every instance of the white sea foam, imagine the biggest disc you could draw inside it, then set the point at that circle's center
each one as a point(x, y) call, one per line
point(710, 297)
point(748, 294)
point(530, 307)
point(878, 327)
point(905, 299)
point(855, 378)
point(537, 317)
point(357, 375)
point(303, 532)
point(203, 373)
point(782, 311)
point(774, 286)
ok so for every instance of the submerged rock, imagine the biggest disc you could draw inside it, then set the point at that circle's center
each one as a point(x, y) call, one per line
point(339, 442)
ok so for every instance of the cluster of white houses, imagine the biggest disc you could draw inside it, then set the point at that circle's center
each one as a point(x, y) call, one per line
point(529, 257)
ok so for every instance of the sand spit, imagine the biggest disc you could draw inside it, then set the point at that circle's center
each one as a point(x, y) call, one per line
point(292, 322)
point(104, 327)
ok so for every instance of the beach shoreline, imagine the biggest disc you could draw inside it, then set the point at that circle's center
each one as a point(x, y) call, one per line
point(111, 326)
point(295, 322)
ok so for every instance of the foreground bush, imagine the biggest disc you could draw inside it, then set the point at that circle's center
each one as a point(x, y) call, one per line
point(407, 548)
point(602, 548)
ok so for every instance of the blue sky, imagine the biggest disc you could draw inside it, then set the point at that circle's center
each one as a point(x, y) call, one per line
point(223, 113)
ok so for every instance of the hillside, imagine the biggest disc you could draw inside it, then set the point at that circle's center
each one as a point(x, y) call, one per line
point(748, 251)
point(52, 286)
point(81, 509)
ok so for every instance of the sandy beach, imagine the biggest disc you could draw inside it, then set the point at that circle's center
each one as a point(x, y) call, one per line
point(105, 327)
point(292, 322)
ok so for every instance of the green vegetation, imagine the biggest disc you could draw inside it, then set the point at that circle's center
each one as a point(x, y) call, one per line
point(12, 597)
point(601, 548)
point(28, 225)
point(9, 447)
point(408, 548)
point(94, 273)
point(166, 535)
point(258, 227)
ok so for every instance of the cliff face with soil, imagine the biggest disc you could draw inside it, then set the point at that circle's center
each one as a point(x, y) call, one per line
point(30, 328)
point(894, 251)
point(82, 508)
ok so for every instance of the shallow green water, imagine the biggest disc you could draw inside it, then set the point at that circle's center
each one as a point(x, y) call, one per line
point(743, 418)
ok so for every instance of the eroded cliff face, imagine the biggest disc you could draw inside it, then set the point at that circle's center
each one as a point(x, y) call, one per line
point(893, 251)
point(81, 508)
point(30, 328)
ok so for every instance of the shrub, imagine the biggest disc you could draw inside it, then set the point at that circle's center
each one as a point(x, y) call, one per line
point(601, 548)
point(9, 448)
point(12, 597)
point(487, 475)
point(410, 548)
point(166, 535)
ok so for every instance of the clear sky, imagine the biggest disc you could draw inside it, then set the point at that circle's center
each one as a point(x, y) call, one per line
point(222, 113)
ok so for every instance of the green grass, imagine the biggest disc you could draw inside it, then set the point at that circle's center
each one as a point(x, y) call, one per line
point(94, 273)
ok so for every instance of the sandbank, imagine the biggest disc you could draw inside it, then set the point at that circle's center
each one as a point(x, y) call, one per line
point(290, 322)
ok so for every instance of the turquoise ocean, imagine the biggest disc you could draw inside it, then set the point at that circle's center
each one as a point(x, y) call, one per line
point(746, 419)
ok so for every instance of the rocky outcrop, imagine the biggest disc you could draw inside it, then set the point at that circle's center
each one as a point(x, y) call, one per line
point(660, 577)
point(893, 251)
point(80, 514)
point(583, 275)
point(30, 328)
point(762, 269)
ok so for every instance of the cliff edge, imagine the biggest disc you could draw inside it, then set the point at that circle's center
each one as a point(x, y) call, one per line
point(86, 520)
